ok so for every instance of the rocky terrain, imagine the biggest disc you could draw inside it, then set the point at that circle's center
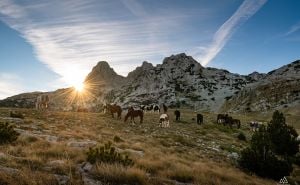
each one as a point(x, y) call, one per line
point(52, 150)
point(179, 81)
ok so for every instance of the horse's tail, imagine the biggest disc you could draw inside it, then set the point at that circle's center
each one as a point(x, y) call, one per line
point(126, 117)
point(120, 113)
point(142, 116)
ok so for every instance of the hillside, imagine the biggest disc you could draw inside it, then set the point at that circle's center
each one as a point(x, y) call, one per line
point(52, 150)
point(279, 89)
point(178, 81)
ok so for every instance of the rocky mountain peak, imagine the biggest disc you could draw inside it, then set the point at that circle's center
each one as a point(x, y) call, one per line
point(179, 59)
point(145, 67)
point(257, 76)
point(103, 74)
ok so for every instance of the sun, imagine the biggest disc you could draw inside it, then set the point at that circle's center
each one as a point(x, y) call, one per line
point(79, 87)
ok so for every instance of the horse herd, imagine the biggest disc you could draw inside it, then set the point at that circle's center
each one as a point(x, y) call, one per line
point(224, 119)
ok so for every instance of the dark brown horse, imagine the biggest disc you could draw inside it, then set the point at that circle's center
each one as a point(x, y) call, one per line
point(114, 109)
point(134, 113)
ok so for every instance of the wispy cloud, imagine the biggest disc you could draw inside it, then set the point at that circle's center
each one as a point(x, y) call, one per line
point(246, 10)
point(293, 29)
point(71, 36)
point(9, 85)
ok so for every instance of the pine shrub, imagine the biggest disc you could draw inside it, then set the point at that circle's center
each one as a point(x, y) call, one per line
point(108, 154)
point(241, 136)
point(260, 158)
point(7, 133)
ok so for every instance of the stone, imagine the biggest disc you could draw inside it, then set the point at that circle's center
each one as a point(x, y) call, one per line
point(81, 144)
point(62, 179)
point(9, 170)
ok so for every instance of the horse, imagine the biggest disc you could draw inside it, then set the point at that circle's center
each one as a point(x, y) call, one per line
point(177, 114)
point(228, 120)
point(199, 118)
point(165, 108)
point(221, 118)
point(142, 107)
point(164, 121)
point(42, 102)
point(149, 108)
point(114, 109)
point(134, 113)
point(255, 125)
point(156, 108)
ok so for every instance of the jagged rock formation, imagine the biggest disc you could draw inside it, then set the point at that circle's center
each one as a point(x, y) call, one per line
point(278, 89)
point(182, 81)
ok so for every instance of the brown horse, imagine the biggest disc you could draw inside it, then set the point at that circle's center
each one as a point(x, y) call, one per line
point(134, 113)
point(114, 109)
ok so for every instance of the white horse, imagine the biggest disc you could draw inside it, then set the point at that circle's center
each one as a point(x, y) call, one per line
point(42, 102)
point(164, 121)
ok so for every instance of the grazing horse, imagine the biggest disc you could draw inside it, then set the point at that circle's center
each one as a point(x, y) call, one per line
point(164, 121)
point(199, 118)
point(255, 125)
point(228, 120)
point(165, 108)
point(149, 108)
point(134, 113)
point(142, 107)
point(114, 109)
point(156, 108)
point(42, 102)
point(177, 114)
point(221, 118)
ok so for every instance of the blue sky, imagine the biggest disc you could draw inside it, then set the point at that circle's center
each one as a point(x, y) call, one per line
point(47, 45)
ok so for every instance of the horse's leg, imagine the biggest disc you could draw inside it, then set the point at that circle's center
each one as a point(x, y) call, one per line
point(112, 114)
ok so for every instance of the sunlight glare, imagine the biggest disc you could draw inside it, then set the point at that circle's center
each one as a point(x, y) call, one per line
point(79, 87)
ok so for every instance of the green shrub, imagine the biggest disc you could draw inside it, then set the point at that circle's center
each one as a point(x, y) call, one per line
point(260, 159)
point(108, 154)
point(283, 137)
point(16, 115)
point(7, 133)
point(241, 136)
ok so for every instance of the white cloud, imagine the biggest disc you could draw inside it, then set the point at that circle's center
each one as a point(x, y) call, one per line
point(293, 29)
point(9, 85)
point(247, 9)
point(70, 37)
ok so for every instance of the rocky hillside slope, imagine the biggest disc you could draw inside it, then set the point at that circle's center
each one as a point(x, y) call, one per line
point(181, 81)
point(279, 89)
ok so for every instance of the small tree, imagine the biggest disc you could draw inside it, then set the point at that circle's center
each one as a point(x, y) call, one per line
point(283, 137)
point(260, 159)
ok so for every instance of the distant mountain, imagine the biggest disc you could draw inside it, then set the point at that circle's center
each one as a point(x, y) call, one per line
point(181, 81)
point(278, 89)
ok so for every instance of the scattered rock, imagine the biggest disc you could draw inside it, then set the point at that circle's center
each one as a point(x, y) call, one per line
point(9, 170)
point(62, 179)
point(81, 144)
point(56, 163)
point(131, 151)
point(84, 170)
point(13, 120)
point(233, 155)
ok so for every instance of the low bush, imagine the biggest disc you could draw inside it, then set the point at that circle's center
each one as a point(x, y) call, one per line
point(7, 133)
point(108, 154)
point(241, 136)
point(16, 115)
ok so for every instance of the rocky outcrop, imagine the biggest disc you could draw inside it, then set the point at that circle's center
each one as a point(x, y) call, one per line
point(279, 89)
point(179, 81)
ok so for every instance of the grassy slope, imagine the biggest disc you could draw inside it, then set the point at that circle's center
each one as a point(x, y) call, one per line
point(186, 152)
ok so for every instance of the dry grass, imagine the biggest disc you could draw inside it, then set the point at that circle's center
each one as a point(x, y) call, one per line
point(177, 154)
point(115, 174)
